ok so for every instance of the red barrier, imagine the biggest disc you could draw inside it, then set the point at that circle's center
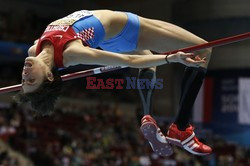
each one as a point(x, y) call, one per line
point(99, 70)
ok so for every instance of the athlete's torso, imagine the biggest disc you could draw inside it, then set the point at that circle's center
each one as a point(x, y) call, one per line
point(112, 22)
point(95, 27)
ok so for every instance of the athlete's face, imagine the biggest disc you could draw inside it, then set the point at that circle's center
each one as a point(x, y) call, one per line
point(34, 73)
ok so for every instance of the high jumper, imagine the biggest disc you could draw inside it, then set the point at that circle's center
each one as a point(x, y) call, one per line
point(126, 39)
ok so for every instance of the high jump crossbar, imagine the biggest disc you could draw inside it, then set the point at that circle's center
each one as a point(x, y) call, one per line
point(99, 70)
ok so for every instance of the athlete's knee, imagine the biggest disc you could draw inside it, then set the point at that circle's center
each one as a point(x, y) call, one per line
point(207, 51)
point(147, 73)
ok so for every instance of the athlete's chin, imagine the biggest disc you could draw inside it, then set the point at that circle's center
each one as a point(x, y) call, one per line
point(32, 62)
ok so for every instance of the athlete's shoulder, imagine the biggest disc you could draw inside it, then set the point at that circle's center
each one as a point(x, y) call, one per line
point(32, 50)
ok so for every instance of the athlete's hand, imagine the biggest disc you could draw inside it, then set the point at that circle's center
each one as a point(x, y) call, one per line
point(188, 59)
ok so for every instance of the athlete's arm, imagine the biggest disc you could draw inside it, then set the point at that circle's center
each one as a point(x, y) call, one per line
point(78, 54)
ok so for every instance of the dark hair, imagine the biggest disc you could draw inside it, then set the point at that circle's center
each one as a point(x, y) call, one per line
point(43, 99)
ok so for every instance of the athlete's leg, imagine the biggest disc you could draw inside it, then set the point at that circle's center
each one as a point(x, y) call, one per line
point(149, 126)
point(146, 94)
point(161, 37)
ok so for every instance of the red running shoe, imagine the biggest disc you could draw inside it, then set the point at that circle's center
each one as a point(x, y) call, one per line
point(187, 140)
point(155, 137)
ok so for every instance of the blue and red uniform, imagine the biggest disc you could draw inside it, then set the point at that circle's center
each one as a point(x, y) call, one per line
point(85, 26)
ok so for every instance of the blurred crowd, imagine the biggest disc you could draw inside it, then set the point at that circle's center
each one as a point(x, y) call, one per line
point(105, 135)
point(101, 133)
